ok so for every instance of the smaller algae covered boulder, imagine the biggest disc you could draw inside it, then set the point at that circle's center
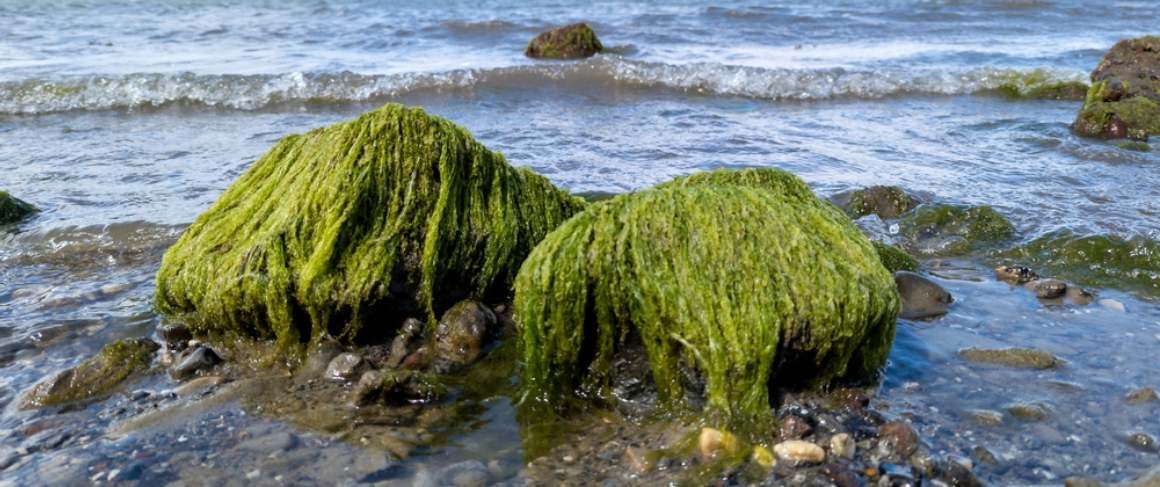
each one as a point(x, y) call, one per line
point(1040, 85)
point(940, 229)
point(1130, 264)
point(894, 258)
point(96, 377)
point(744, 278)
point(12, 209)
point(885, 201)
point(1124, 98)
point(569, 42)
point(350, 229)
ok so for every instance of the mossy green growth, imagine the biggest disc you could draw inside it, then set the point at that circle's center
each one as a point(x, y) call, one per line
point(349, 229)
point(965, 227)
point(885, 201)
point(96, 377)
point(1131, 265)
point(568, 42)
point(1138, 116)
point(744, 277)
point(1135, 145)
point(1039, 85)
point(895, 259)
point(13, 209)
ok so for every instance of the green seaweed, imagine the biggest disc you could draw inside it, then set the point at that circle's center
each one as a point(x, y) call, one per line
point(568, 42)
point(746, 277)
point(885, 201)
point(895, 259)
point(1039, 85)
point(1096, 260)
point(96, 377)
point(358, 224)
point(1140, 115)
point(12, 209)
point(1135, 145)
point(968, 227)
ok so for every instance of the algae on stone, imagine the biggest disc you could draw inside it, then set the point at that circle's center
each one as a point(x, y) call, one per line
point(895, 259)
point(351, 228)
point(1040, 85)
point(1124, 98)
point(1021, 358)
point(1131, 264)
point(954, 229)
point(745, 277)
point(96, 377)
point(885, 201)
point(568, 42)
point(12, 209)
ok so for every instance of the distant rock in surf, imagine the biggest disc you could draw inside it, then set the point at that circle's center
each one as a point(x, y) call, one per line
point(574, 41)
point(12, 209)
point(1124, 98)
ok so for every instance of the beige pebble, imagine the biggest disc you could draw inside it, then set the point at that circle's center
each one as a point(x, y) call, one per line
point(1113, 305)
point(714, 443)
point(799, 451)
point(842, 445)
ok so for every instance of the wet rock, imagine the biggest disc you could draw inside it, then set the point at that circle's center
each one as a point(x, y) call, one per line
point(198, 385)
point(842, 446)
point(799, 452)
point(895, 259)
point(763, 457)
point(1022, 358)
point(953, 229)
point(841, 475)
point(470, 473)
point(1049, 434)
point(345, 367)
point(921, 297)
point(897, 475)
point(1015, 274)
point(1143, 395)
point(1079, 296)
point(1082, 482)
point(984, 456)
point(1125, 92)
point(396, 387)
point(713, 443)
point(569, 42)
point(794, 427)
point(955, 473)
point(97, 376)
point(897, 440)
point(1029, 412)
point(1113, 305)
point(463, 332)
point(13, 210)
point(1143, 442)
point(1050, 288)
point(279, 441)
point(637, 460)
point(175, 336)
point(986, 417)
point(885, 201)
point(318, 358)
point(199, 359)
point(406, 342)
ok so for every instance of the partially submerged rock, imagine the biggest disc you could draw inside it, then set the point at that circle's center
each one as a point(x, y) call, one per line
point(921, 297)
point(96, 377)
point(1124, 98)
point(462, 333)
point(744, 277)
point(1096, 260)
point(12, 209)
point(569, 42)
point(894, 258)
point(1040, 85)
point(393, 387)
point(347, 229)
point(1022, 358)
point(198, 359)
point(885, 201)
point(941, 229)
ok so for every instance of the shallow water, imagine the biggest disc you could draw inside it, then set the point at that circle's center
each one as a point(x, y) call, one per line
point(124, 121)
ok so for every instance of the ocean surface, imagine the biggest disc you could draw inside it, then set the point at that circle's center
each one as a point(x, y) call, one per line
point(123, 121)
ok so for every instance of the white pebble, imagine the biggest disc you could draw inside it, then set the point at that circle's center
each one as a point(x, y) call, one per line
point(1113, 305)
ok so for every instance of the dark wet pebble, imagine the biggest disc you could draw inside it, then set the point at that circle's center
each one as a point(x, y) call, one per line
point(273, 442)
point(406, 342)
point(1050, 288)
point(1143, 442)
point(896, 475)
point(795, 427)
point(174, 336)
point(470, 473)
point(201, 358)
point(345, 367)
point(1142, 395)
point(921, 297)
point(462, 333)
point(984, 456)
point(897, 440)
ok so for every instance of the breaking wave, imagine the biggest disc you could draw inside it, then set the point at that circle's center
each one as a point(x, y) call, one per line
point(253, 92)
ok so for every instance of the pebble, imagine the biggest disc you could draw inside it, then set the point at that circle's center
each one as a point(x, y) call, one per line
point(897, 439)
point(198, 385)
point(345, 367)
point(1029, 412)
point(794, 427)
point(986, 417)
point(1143, 442)
point(921, 297)
point(201, 358)
point(842, 446)
point(713, 443)
point(637, 460)
point(762, 456)
point(1142, 395)
point(1113, 305)
point(470, 473)
point(1050, 288)
point(799, 451)
point(273, 442)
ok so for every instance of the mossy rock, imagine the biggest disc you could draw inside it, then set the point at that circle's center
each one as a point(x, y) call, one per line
point(1131, 264)
point(894, 258)
point(1135, 146)
point(1124, 98)
point(885, 201)
point(1040, 85)
point(941, 229)
point(574, 41)
point(744, 277)
point(1020, 358)
point(96, 377)
point(13, 210)
point(351, 228)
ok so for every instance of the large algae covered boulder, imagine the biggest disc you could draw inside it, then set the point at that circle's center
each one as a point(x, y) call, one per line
point(569, 42)
point(1130, 264)
point(96, 377)
point(12, 209)
point(941, 229)
point(1124, 98)
point(744, 277)
point(351, 228)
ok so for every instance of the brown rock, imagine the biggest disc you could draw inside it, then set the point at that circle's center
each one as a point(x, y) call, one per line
point(898, 439)
point(794, 427)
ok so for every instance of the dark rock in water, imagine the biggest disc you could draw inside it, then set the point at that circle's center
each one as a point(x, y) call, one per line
point(569, 42)
point(469, 473)
point(1143, 442)
point(940, 229)
point(1142, 395)
point(13, 210)
point(462, 333)
point(319, 357)
point(345, 366)
point(174, 336)
point(954, 473)
point(396, 387)
point(897, 475)
point(885, 201)
point(1124, 98)
point(199, 359)
point(1050, 288)
point(921, 297)
point(895, 259)
point(1022, 358)
point(406, 342)
point(984, 456)
point(841, 475)
point(97, 376)
point(1015, 274)
point(897, 440)
point(1131, 264)
point(1029, 412)
point(794, 427)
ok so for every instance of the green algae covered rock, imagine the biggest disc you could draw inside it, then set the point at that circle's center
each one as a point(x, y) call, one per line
point(351, 228)
point(885, 201)
point(1040, 85)
point(569, 42)
point(12, 209)
point(895, 259)
point(744, 277)
point(940, 229)
point(1124, 98)
point(1131, 264)
point(96, 377)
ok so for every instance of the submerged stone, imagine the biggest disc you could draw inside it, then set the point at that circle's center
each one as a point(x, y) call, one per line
point(569, 42)
point(197, 360)
point(1097, 260)
point(348, 229)
point(96, 377)
point(13, 210)
point(885, 201)
point(1022, 358)
point(1124, 98)
point(941, 229)
point(394, 387)
point(744, 278)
